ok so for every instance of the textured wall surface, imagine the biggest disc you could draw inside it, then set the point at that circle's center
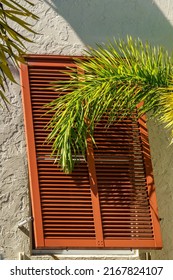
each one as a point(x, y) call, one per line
point(67, 27)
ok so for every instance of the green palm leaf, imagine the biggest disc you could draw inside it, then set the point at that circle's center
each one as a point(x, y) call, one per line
point(113, 79)
point(12, 43)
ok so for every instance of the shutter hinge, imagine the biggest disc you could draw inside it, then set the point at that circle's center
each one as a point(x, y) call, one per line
point(27, 220)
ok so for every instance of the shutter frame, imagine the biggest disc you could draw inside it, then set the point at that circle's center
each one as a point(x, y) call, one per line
point(94, 193)
point(31, 151)
point(41, 242)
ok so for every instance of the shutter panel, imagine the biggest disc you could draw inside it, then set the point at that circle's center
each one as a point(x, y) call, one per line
point(119, 210)
point(125, 200)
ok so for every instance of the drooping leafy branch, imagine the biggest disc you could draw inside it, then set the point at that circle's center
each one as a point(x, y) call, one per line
point(12, 42)
point(113, 79)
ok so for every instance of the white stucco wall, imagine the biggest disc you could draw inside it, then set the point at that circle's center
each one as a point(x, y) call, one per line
point(67, 27)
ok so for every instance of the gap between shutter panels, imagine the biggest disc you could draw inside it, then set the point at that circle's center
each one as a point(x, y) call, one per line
point(124, 202)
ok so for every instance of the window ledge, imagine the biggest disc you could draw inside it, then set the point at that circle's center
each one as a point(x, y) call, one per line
point(89, 253)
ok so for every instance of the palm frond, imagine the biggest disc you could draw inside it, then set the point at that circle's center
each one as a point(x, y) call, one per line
point(166, 109)
point(12, 45)
point(112, 80)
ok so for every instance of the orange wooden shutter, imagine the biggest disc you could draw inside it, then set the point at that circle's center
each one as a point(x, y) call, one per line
point(109, 202)
point(125, 184)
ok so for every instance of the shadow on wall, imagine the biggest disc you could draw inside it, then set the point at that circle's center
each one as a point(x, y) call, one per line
point(96, 21)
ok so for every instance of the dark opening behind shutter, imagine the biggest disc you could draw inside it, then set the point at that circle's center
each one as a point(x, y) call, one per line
point(62, 204)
